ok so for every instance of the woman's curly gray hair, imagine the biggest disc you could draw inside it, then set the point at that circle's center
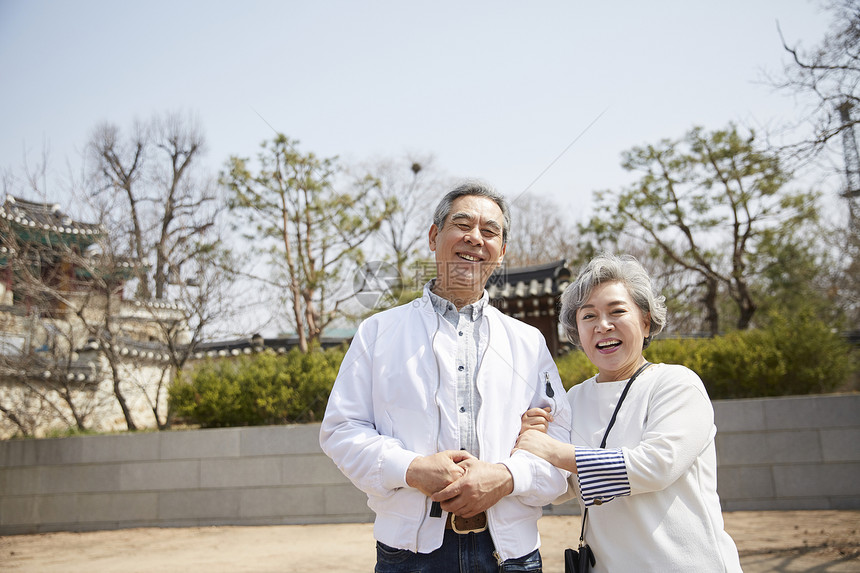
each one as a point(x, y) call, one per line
point(604, 268)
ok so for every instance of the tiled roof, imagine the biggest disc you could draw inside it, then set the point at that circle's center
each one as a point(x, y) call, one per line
point(548, 279)
point(29, 214)
point(257, 343)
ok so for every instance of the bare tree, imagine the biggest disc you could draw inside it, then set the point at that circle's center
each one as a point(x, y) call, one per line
point(159, 231)
point(540, 232)
point(827, 76)
point(162, 214)
point(411, 185)
point(830, 73)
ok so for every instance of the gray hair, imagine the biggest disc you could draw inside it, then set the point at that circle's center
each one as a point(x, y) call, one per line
point(604, 268)
point(477, 189)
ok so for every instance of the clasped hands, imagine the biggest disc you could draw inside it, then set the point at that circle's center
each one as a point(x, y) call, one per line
point(463, 484)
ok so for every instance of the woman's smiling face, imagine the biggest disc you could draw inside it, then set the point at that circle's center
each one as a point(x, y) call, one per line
point(612, 330)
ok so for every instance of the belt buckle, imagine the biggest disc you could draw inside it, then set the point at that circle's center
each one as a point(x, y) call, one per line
point(473, 530)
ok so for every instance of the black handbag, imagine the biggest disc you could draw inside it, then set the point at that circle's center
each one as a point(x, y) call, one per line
point(581, 560)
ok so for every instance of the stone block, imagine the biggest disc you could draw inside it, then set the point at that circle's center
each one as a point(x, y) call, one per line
point(240, 472)
point(796, 412)
point(814, 480)
point(218, 443)
point(117, 507)
point(57, 451)
point(176, 507)
point(57, 509)
point(345, 500)
point(738, 415)
point(838, 410)
point(792, 413)
point(22, 481)
point(132, 447)
point(281, 502)
point(80, 478)
point(841, 444)
point(792, 447)
point(744, 483)
point(774, 447)
point(19, 452)
point(849, 502)
point(16, 511)
point(277, 440)
point(311, 469)
point(155, 476)
point(740, 448)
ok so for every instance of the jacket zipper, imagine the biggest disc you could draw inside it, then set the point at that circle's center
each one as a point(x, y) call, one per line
point(427, 502)
point(490, 524)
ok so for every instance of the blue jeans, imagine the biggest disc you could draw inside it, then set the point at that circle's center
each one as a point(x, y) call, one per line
point(469, 553)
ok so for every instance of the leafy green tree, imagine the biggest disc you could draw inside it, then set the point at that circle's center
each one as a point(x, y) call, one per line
point(312, 232)
point(707, 203)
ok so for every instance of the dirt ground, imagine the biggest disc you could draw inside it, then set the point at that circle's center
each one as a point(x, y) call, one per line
point(768, 541)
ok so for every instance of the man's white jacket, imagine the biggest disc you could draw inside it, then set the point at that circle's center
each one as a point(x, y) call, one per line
point(395, 398)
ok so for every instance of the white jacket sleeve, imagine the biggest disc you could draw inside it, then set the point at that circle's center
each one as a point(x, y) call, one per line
point(536, 481)
point(375, 463)
point(680, 425)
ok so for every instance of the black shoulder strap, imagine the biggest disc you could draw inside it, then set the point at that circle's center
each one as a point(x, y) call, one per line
point(621, 399)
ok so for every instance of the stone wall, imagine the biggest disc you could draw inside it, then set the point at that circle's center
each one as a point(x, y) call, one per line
point(779, 453)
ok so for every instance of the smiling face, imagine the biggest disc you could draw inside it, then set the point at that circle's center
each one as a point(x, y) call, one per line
point(468, 248)
point(612, 329)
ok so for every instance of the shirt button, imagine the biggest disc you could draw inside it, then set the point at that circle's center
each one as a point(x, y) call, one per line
point(460, 333)
point(462, 409)
point(598, 501)
point(461, 368)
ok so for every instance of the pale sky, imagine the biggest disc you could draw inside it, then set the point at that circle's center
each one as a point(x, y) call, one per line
point(495, 90)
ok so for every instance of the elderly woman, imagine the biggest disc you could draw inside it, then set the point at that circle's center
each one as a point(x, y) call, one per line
point(651, 491)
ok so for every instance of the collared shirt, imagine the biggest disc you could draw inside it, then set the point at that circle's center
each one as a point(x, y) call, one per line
point(467, 321)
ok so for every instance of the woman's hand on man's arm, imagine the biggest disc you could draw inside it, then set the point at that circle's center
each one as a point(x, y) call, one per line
point(536, 419)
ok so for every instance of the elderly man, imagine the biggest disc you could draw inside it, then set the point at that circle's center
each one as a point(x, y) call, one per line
point(426, 410)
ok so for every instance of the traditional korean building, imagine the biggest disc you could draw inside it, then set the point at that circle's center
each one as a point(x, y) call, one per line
point(52, 371)
point(532, 294)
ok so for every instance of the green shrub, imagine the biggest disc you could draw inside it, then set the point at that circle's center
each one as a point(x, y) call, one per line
point(674, 350)
point(574, 367)
point(793, 355)
point(740, 365)
point(257, 390)
point(816, 358)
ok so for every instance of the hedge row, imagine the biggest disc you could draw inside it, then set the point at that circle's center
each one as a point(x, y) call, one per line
point(263, 389)
point(798, 356)
point(790, 357)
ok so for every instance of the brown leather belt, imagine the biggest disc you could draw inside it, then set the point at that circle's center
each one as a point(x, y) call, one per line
point(475, 524)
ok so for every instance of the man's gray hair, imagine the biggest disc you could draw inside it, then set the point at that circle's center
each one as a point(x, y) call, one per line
point(477, 189)
point(605, 268)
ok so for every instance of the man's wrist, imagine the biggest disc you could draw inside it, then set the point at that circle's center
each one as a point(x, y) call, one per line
point(508, 483)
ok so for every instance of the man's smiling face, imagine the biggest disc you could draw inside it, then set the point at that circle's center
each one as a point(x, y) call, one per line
point(468, 248)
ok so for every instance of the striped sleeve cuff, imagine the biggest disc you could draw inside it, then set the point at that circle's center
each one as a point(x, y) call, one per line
point(602, 475)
